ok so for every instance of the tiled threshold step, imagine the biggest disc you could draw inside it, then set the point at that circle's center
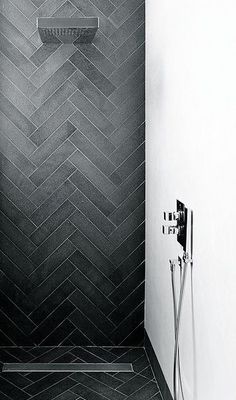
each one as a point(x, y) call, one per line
point(67, 367)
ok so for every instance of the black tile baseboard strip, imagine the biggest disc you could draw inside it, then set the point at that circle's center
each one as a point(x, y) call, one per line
point(67, 367)
point(164, 388)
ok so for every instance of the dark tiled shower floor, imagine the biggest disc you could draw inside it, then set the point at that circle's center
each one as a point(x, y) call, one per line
point(137, 385)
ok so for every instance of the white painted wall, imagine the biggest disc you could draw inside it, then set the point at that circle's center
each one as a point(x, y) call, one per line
point(191, 155)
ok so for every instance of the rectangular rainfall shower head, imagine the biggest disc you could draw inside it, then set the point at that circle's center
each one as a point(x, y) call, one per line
point(67, 30)
point(67, 367)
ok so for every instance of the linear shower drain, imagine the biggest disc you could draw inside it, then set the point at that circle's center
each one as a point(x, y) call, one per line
point(73, 367)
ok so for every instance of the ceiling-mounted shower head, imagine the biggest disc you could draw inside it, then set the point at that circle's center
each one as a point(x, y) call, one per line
point(67, 30)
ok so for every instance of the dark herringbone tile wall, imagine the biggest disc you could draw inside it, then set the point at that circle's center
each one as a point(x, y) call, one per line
point(72, 177)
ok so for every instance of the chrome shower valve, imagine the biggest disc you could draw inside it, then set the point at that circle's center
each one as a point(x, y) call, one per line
point(170, 230)
point(173, 216)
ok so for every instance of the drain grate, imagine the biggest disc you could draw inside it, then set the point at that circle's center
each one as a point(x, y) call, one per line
point(61, 367)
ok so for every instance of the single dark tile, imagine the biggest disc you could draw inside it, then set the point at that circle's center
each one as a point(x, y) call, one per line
point(92, 73)
point(92, 193)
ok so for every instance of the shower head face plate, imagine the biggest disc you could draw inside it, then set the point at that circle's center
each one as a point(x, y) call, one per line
point(67, 30)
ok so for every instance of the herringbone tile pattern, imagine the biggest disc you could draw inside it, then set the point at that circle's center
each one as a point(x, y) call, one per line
point(72, 178)
point(136, 385)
